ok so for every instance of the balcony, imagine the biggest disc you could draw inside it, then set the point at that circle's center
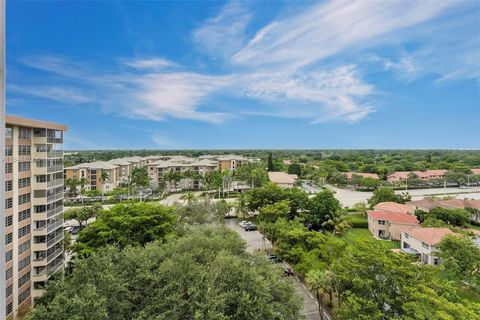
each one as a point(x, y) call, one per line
point(55, 154)
point(54, 226)
point(54, 211)
point(54, 254)
point(54, 140)
point(55, 197)
point(52, 169)
point(54, 240)
point(55, 268)
point(55, 183)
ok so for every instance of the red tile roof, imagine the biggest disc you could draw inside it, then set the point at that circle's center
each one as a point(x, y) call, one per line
point(393, 217)
point(394, 207)
point(476, 171)
point(431, 236)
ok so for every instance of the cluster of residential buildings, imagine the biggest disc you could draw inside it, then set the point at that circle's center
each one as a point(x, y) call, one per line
point(33, 209)
point(395, 221)
point(173, 172)
point(282, 179)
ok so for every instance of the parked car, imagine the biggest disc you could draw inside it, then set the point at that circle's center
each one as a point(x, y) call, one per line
point(273, 258)
point(250, 227)
point(242, 223)
point(75, 230)
point(287, 271)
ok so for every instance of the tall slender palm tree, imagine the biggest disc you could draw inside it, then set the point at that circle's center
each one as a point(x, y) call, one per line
point(83, 182)
point(318, 281)
point(339, 221)
point(104, 177)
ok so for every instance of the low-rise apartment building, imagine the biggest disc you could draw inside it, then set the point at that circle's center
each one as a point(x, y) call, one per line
point(390, 225)
point(231, 162)
point(124, 168)
point(33, 209)
point(422, 175)
point(94, 175)
point(422, 241)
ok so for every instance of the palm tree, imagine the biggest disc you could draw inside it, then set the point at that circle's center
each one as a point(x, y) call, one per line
point(83, 182)
point(104, 177)
point(320, 283)
point(339, 221)
point(189, 197)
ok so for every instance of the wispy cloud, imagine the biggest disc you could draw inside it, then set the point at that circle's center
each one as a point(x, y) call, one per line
point(224, 34)
point(300, 66)
point(164, 141)
point(61, 94)
point(150, 63)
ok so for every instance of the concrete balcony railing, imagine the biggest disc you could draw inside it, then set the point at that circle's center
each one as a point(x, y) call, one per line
point(55, 268)
point(54, 140)
point(54, 211)
point(55, 183)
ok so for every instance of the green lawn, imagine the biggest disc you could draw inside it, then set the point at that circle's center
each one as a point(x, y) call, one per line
point(473, 226)
point(353, 235)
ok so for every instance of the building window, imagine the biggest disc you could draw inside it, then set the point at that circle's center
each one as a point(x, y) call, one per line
point(23, 231)
point(8, 150)
point(24, 198)
point(24, 247)
point(23, 150)
point(436, 261)
point(8, 255)
point(9, 291)
point(41, 148)
point(382, 222)
point(426, 246)
point(24, 295)
point(8, 273)
point(8, 203)
point(23, 215)
point(23, 183)
point(24, 166)
point(8, 238)
point(407, 236)
point(24, 133)
point(8, 133)
point(8, 221)
point(8, 185)
point(8, 167)
point(23, 264)
point(24, 279)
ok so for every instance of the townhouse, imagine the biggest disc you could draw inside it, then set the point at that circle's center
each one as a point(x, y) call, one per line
point(390, 225)
point(394, 207)
point(422, 241)
point(33, 208)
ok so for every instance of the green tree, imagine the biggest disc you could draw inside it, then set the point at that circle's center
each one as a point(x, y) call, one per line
point(386, 195)
point(127, 224)
point(460, 257)
point(318, 281)
point(104, 177)
point(83, 214)
point(139, 177)
point(270, 164)
point(295, 168)
point(338, 221)
point(273, 212)
point(321, 208)
point(204, 275)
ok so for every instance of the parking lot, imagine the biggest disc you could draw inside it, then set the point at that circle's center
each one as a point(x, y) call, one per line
point(255, 241)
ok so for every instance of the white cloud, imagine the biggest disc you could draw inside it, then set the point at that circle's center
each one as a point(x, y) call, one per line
point(163, 141)
point(224, 34)
point(61, 94)
point(150, 63)
point(329, 28)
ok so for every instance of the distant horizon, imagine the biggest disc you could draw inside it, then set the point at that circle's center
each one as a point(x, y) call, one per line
point(275, 149)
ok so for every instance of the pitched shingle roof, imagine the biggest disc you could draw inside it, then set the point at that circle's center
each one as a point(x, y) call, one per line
point(394, 207)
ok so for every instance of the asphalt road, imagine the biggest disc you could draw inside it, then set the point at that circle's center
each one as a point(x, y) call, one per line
point(255, 241)
point(349, 198)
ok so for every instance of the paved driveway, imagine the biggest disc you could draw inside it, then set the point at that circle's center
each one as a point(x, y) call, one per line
point(255, 241)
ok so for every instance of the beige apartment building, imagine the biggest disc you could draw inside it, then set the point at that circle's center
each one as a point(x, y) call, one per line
point(390, 225)
point(92, 173)
point(33, 208)
point(231, 162)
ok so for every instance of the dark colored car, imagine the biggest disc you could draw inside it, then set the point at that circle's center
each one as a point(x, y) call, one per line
point(250, 227)
point(273, 258)
point(75, 230)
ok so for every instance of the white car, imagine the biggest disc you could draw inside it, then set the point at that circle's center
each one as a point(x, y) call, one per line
point(243, 223)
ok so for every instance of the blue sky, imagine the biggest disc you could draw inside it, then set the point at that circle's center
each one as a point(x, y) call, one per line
point(168, 75)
